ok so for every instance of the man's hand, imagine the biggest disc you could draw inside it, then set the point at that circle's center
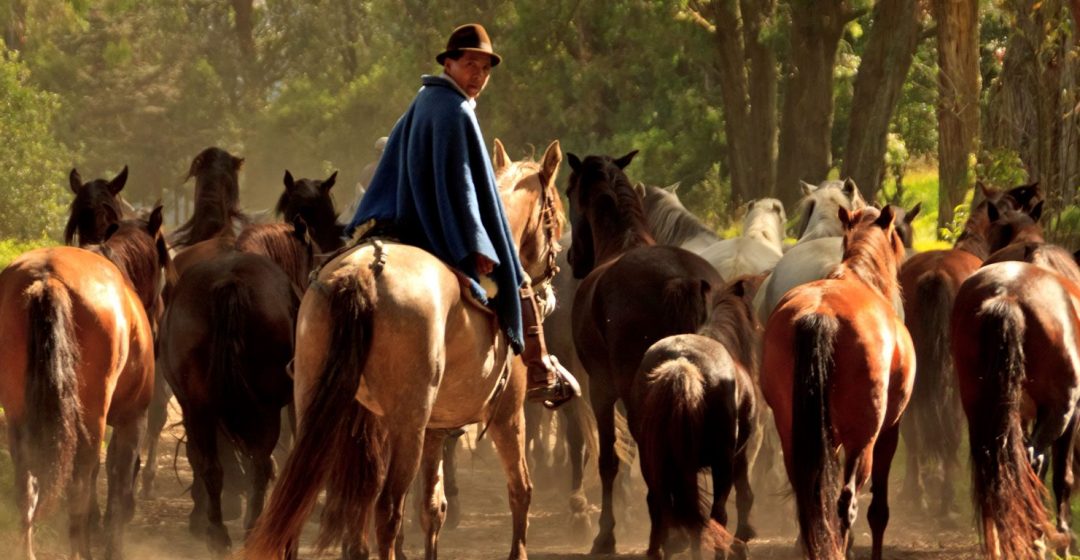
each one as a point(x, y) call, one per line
point(484, 265)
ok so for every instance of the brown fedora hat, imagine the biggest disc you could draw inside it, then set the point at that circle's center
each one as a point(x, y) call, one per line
point(469, 37)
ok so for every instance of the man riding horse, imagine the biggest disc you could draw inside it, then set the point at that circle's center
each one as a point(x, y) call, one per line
point(435, 188)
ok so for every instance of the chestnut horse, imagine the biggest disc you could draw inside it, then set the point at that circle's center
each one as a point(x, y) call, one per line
point(374, 404)
point(1015, 341)
point(95, 207)
point(633, 294)
point(695, 393)
point(930, 281)
point(78, 355)
point(837, 371)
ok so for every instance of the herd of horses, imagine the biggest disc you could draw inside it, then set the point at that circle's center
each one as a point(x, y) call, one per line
point(364, 359)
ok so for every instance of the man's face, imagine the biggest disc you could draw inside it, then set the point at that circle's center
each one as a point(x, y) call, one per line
point(471, 72)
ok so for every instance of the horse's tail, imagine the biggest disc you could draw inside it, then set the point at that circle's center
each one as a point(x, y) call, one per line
point(230, 302)
point(1007, 492)
point(53, 422)
point(816, 476)
point(933, 401)
point(673, 418)
point(334, 430)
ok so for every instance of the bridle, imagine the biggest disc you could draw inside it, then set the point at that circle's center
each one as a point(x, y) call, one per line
point(549, 222)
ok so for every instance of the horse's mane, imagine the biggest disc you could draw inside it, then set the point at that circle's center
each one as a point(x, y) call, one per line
point(733, 323)
point(278, 243)
point(134, 252)
point(91, 200)
point(973, 238)
point(1058, 259)
point(871, 256)
point(823, 202)
point(670, 222)
point(217, 197)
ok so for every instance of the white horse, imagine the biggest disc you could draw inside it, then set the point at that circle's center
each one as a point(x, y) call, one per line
point(671, 223)
point(759, 248)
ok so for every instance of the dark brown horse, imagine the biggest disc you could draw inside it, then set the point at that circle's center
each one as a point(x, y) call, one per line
point(929, 281)
point(225, 344)
point(78, 355)
point(695, 394)
point(837, 371)
point(217, 199)
point(94, 208)
point(310, 199)
point(633, 294)
point(1015, 341)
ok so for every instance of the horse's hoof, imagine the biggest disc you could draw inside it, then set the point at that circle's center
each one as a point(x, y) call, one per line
point(218, 541)
point(231, 506)
point(745, 533)
point(453, 513)
point(580, 527)
point(354, 552)
point(603, 544)
point(677, 542)
point(197, 524)
point(739, 551)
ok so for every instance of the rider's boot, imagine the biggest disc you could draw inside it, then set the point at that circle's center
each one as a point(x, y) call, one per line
point(548, 381)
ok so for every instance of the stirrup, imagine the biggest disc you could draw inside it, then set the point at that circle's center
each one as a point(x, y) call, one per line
point(562, 386)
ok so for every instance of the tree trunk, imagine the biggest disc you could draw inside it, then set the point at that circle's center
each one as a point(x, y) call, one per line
point(746, 72)
point(244, 26)
point(889, 51)
point(958, 100)
point(15, 30)
point(806, 121)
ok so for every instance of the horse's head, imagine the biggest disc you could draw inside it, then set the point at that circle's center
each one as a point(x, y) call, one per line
point(765, 219)
point(606, 213)
point(817, 209)
point(95, 207)
point(903, 221)
point(217, 196)
point(533, 207)
point(138, 248)
point(311, 200)
point(1008, 225)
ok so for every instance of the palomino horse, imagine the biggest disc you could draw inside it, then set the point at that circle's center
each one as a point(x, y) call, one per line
point(760, 246)
point(95, 207)
point(633, 294)
point(78, 355)
point(225, 345)
point(695, 393)
point(373, 404)
point(1015, 341)
point(837, 371)
point(930, 281)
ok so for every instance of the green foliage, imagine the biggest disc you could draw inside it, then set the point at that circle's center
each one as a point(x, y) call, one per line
point(1002, 168)
point(712, 196)
point(32, 159)
point(11, 248)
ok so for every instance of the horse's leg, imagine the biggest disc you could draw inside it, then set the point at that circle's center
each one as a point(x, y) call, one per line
point(575, 440)
point(234, 481)
point(203, 456)
point(913, 491)
point(158, 415)
point(857, 464)
point(432, 502)
point(450, 487)
point(508, 435)
point(658, 530)
point(261, 465)
point(1063, 481)
point(878, 514)
point(604, 408)
point(26, 490)
point(744, 496)
point(404, 448)
point(120, 468)
point(79, 492)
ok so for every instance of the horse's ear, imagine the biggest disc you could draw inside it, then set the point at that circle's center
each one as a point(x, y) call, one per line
point(625, 160)
point(110, 230)
point(499, 159)
point(153, 223)
point(807, 188)
point(847, 217)
point(238, 163)
point(779, 207)
point(575, 163)
point(673, 188)
point(1036, 212)
point(75, 180)
point(910, 216)
point(118, 182)
point(992, 212)
point(549, 163)
point(290, 183)
point(639, 188)
point(851, 190)
point(328, 183)
point(886, 218)
point(738, 287)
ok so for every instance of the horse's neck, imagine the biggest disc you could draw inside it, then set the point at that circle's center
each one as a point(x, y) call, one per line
point(974, 243)
point(731, 327)
point(612, 246)
point(875, 268)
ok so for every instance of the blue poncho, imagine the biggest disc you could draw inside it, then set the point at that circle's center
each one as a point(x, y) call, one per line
point(436, 184)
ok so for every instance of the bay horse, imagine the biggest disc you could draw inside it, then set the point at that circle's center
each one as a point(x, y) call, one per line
point(695, 393)
point(633, 293)
point(374, 406)
point(837, 371)
point(1015, 343)
point(79, 355)
point(225, 345)
point(930, 280)
point(95, 207)
point(212, 225)
point(310, 199)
